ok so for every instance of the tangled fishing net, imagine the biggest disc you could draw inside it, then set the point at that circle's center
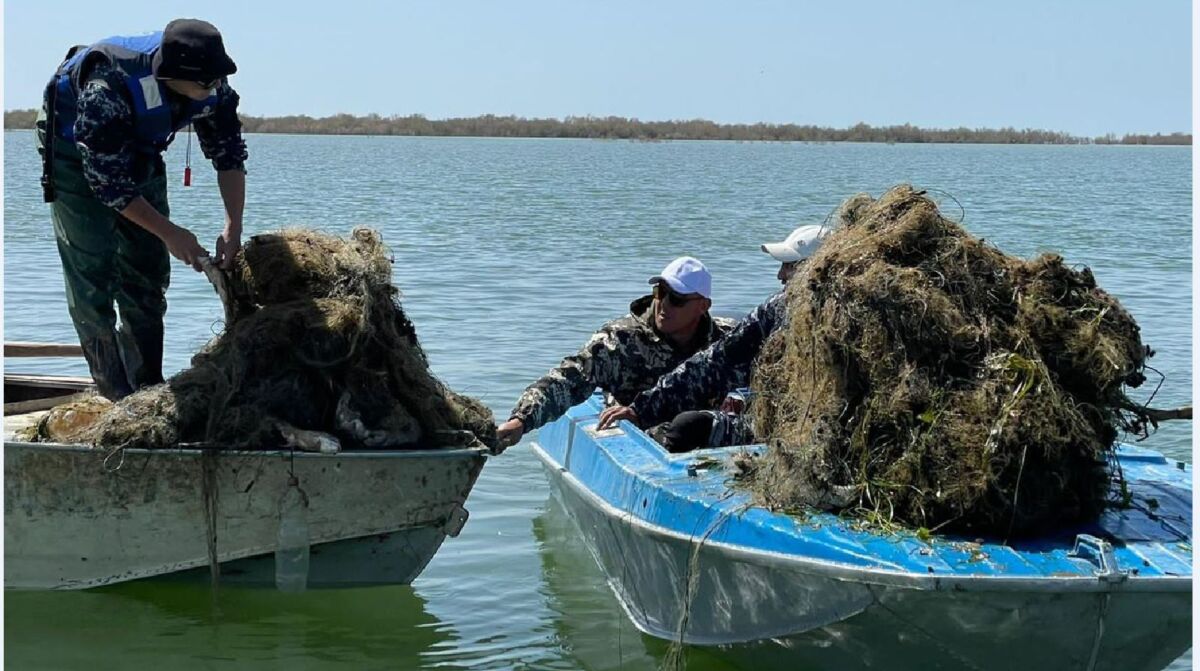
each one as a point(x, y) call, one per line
point(316, 347)
point(925, 378)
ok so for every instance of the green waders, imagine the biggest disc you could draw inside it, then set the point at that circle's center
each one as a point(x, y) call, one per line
point(106, 258)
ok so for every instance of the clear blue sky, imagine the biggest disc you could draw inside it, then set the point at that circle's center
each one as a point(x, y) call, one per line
point(1085, 67)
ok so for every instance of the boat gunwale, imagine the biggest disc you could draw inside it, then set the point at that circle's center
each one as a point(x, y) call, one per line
point(298, 454)
point(881, 576)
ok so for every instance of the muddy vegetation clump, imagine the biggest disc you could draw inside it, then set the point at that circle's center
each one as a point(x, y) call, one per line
point(316, 347)
point(927, 379)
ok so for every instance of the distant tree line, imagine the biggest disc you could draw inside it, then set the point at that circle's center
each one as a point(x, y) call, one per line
point(1157, 138)
point(19, 118)
point(621, 128)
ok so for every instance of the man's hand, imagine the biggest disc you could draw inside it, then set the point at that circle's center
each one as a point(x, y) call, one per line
point(610, 416)
point(179, 241)
point(509, 433)
point(228, 244)
point(185, 247)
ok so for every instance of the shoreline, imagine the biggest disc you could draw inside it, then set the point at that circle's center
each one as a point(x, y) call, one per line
point(624, 128)
point(641, 140)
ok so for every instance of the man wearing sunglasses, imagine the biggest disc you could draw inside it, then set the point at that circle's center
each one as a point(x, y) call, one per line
point(627, 355)
point(681, 396)
point(109, 112)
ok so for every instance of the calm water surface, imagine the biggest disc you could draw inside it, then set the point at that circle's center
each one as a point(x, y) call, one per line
point(510, 252)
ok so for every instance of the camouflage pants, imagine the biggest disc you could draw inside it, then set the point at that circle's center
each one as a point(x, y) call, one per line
point(108, 259)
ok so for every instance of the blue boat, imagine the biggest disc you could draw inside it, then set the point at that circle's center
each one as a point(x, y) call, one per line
point(693, 561)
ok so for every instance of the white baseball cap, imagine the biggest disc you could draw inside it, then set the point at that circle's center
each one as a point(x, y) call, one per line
point(686, 275)
point(801, 244)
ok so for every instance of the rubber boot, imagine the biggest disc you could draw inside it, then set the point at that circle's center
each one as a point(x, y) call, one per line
point(108, 370)
point(141, 349)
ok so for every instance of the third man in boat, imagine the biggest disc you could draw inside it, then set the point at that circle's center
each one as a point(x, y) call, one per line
point(681, 395)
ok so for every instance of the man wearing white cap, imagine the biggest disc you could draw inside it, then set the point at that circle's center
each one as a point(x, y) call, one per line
point(681, 396)
point(627, 355)
point(798, 246)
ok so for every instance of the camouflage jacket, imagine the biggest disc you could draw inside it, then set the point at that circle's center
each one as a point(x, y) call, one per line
point(105, 137)
point(624, 357)
point(713, 373)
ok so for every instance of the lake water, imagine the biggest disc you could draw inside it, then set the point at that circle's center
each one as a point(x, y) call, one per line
point(510, 252)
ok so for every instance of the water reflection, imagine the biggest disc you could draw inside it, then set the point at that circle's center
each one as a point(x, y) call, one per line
point(593, 628)
point(164, 624)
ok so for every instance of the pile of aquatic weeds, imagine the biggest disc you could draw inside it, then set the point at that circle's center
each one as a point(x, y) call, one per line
point(316, 347)
point(925, 378)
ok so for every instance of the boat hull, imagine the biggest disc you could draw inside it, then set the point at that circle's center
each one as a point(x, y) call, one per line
point(77, 517)
point(770, 616)
point(395, 558)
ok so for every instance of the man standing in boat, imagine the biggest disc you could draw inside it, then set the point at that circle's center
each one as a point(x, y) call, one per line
point(627, 355)
point(721, 368)
point(109, 112)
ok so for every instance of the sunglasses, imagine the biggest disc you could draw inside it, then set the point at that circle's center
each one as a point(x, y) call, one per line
point(210, 84)
point(676, 299)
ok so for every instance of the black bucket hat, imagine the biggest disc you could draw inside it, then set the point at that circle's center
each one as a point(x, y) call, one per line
point(193, 50)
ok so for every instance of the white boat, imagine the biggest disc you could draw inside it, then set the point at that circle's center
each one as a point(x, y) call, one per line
point(78, 517)
point(693, 561)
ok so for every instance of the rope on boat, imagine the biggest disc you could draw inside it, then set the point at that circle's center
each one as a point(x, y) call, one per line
point(116, 451)
point(208, 481)
point(119, 450)
point(208, 489)
point(616, 537)
point(1095, 656)
point(627, 517)
point(676, 657)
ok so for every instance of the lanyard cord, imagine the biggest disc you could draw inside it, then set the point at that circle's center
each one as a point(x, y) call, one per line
point(187, 168)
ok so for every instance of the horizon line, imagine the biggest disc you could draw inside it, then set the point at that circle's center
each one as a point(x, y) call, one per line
point(618, 127)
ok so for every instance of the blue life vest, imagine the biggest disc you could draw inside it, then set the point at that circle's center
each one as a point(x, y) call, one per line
point(132, 57)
